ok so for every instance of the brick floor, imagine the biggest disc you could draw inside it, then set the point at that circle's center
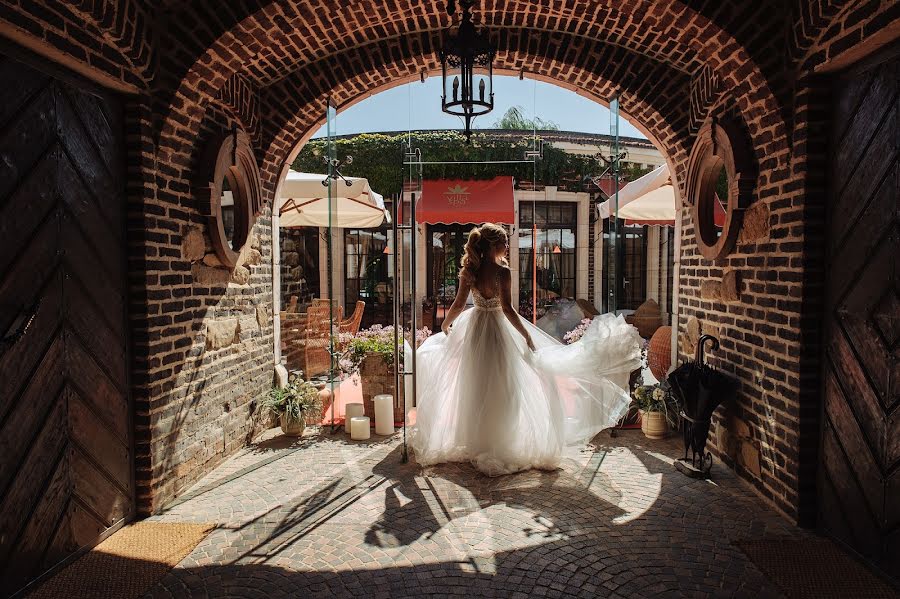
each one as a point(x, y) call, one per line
point(324, 516)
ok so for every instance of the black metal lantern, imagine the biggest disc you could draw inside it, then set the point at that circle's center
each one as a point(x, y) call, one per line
point(467, 69)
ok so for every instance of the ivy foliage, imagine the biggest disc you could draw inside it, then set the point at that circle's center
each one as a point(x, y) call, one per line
point(379, 158)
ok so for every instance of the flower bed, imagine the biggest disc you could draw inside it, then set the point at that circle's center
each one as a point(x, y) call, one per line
point(371, 353)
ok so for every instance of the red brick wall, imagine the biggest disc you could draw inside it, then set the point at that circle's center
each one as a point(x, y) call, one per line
point(770, 337)
point(194, 68)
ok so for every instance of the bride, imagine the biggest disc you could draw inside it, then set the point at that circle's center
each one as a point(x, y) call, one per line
point(497, 391)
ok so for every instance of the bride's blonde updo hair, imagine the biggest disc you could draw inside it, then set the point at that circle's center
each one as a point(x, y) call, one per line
point(483, 243)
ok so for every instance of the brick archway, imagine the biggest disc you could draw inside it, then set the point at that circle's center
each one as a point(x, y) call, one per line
point(288, 124)
point(268, 44)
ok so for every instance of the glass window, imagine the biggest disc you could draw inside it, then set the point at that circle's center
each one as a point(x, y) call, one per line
point(367, 274)
point(546, 255)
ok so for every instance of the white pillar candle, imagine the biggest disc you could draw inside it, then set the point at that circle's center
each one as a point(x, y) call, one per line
point(351, 410)
point(384, 414)
point(359, 428)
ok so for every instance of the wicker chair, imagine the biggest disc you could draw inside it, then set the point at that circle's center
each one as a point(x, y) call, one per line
point(352, 324)
point(316, 341)
point(324, 301)
point(305, 339)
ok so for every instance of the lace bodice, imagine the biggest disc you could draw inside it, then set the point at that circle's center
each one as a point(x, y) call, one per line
point(486, 303)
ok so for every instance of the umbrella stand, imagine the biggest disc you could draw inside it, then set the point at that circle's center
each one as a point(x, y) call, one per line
point(701, 390)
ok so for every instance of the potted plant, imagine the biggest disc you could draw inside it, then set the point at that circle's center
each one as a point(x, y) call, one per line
point(370, 353)
point(292, 403)
point(658, 410)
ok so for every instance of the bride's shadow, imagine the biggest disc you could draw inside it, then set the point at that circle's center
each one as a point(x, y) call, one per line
point(417, 505)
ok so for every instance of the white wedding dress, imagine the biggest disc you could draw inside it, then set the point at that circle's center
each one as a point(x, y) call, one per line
point(485, 398)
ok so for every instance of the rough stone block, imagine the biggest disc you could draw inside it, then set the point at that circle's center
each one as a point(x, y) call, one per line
point(741, 428)
point(212, 260)
point(221, 333)
point(207, 275)
point(252, 257)
point(755, 225)
point(731, 286)
point(690, 336)
point(281, 376)
point(247, 326)
point(241, 275)
point(711, 289)
point(749, 457)
point(193, 245)
point(262, 315)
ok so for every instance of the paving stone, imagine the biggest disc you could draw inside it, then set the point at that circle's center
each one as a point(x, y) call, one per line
point(321, 516)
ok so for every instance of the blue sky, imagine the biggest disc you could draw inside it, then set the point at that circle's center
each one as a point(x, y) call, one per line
point(418, 106)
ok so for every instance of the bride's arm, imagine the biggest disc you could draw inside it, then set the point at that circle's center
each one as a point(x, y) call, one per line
point(459, 303)
point(508, 311)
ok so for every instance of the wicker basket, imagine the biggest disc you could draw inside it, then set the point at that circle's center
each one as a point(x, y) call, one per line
point(377, 377)
point(659, 354)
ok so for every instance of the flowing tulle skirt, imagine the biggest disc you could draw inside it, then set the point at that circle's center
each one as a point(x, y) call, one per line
point(484, 397)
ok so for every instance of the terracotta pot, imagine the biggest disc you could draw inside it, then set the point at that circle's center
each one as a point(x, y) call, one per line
point(291, 427)
point(654, 425)
point(325, 398)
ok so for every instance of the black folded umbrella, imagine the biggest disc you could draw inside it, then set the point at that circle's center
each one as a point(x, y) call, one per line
point(700, 389)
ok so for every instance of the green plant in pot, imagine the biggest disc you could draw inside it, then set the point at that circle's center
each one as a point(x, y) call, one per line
point(292, 404)
point(658, 409)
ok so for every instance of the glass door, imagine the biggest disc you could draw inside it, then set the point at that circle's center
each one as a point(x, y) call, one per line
point(444, 260)
point(611, 258)
point(328, 337)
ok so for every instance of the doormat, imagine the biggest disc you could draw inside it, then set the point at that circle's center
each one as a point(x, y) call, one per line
point(815, 569)
point(127, 564)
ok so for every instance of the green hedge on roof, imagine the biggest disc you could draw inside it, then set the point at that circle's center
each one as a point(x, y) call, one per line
point(379, 157)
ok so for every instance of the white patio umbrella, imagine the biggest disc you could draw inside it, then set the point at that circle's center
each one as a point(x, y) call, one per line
point(304, 202)
point(655, 193)
point(650, 200)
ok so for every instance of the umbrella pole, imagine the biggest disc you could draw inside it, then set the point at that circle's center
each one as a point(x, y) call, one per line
point(533, 269)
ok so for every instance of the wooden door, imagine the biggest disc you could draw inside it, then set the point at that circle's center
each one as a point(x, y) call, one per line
point(859, 479)
point(66, 474)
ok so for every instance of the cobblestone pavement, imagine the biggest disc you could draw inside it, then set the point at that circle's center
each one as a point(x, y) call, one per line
point(323, 516)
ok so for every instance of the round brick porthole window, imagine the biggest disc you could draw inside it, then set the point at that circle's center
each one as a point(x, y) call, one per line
point(231, 198)
point(721, 178)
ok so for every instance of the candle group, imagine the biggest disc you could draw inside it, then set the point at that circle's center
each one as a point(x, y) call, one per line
point(384, 414)
point(359, 428)
point(350, 411)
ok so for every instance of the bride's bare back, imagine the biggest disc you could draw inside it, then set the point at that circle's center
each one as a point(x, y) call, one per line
point(487, 280)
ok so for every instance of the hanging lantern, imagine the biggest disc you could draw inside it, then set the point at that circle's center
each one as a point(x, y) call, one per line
point(467, 69)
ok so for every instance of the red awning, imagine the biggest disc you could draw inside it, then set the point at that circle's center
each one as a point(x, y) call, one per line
point(449, 201)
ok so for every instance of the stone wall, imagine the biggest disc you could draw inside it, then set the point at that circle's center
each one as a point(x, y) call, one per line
point(299, 266)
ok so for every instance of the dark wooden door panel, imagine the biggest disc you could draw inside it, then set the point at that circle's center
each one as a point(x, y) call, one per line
point(66, 469)
point(859, 475)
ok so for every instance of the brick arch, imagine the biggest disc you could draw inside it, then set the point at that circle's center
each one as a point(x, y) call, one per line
point(240, 100)
point(673, 32)
point(845, 27)
point(123, 27)
point(289, 122)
